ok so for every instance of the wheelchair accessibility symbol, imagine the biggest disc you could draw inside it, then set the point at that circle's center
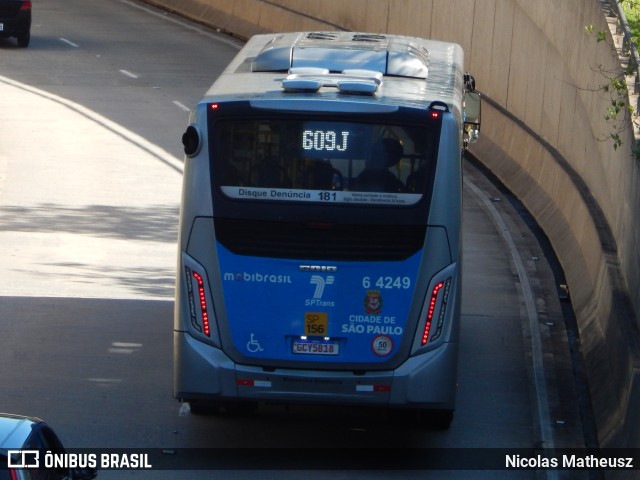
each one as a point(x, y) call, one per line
point(253, 346)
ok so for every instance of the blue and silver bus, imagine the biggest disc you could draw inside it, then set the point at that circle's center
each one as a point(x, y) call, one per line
point(320, 228)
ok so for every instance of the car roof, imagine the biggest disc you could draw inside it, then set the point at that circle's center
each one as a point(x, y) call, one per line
point(15, 429)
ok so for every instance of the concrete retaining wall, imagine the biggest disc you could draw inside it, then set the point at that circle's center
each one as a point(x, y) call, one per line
point(541, 135)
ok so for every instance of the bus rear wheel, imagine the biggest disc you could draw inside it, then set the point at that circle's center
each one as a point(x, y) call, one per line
point(428, 419)
point(202, 407)
point(437, 419)
point(23, 40)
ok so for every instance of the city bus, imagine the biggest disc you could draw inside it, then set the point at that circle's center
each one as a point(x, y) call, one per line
point(320, 226)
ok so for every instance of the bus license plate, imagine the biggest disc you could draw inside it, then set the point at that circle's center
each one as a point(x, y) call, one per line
point(316, 348)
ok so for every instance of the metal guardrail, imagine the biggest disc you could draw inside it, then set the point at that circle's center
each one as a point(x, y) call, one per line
point(628, 47)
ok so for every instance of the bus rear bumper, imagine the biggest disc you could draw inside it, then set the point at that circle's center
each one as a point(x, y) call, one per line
point(205, 373)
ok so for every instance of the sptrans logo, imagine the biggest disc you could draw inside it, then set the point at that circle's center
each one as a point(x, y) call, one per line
point(320, 283)
point(257, 277)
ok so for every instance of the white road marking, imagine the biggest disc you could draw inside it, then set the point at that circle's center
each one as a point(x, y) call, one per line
point(128, 74)
point(128, 135)
point(69, 42)
point(181, 106)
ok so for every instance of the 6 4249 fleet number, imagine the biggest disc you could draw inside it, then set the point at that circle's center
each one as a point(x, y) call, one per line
point(387, 282)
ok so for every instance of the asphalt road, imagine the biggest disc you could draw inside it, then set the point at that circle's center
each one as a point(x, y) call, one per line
point(91, 116)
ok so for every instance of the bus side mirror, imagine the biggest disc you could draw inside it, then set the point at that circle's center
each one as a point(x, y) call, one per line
point(191, 141)
point(472, 113)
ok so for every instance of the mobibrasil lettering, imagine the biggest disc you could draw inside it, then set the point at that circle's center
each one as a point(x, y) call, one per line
point(257, 278)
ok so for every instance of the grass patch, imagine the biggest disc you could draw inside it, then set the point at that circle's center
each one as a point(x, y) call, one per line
point(632, 12)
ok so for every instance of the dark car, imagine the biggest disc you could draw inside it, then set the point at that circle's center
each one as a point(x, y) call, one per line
point(15, 20)
point(23, 443)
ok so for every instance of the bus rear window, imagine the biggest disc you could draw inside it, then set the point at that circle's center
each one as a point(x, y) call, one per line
point(310, 160)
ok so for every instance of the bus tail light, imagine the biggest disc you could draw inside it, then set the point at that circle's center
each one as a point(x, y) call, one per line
point(434, 311)
point(202, 303)
point(199, 316)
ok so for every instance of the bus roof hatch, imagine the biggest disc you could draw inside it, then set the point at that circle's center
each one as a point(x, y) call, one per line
point(339, 51)
point(306, 79)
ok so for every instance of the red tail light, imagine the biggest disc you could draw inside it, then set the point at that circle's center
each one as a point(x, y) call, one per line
point(197, 302)
point(430, 312)
point(26, 5)
point(203, 304)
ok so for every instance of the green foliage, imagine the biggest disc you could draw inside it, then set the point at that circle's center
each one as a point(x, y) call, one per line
point(600, 36)
point(616, 86)
point(632, 12)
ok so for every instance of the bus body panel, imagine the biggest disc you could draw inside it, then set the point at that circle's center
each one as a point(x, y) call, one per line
point(360, 330)
point(205, 373)
point(346, 309)
point(446, 201)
